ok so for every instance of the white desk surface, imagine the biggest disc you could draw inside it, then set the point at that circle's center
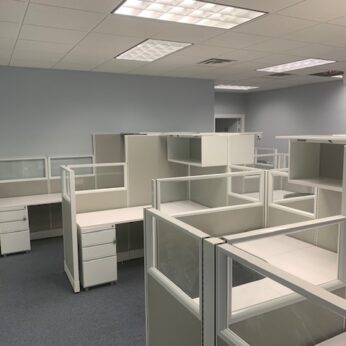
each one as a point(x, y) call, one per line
point(309, 262)
point(110, 217)
point(30, 200)
point(339, 340)
point(177, 207)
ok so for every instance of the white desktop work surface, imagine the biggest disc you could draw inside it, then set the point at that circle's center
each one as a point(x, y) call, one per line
point(110, 217)
point(311, 263)
point(30, 200)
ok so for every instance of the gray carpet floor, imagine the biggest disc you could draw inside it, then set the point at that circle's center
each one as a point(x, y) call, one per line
point(38, 307)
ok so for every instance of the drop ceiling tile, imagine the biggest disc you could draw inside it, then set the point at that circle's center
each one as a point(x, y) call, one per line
point(339, 21)
point(7, 43)
point(323, 33)
point(109, 44)
point(129, 26)
point(12, 10)
point(5, 56)
point(186, 33)
point(79, 62)
point(98, 48)
point(9, 30)
point(61, 17)
point(273, 25)
point(320, 52)
point(38, 54)
point(119, 66)
point(40, 33)
point(200, 51)
point(243, 55)
point(319, 10)
point(234, 40)
point(102, 6)
point(263, 5)
point(277, 45)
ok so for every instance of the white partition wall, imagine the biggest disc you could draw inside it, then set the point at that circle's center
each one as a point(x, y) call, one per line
point(71, 264)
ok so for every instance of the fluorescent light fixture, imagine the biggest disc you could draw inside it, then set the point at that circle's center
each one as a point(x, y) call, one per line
point(296, 65)
point(151, 50)
point(189, 12)
point(234, 87)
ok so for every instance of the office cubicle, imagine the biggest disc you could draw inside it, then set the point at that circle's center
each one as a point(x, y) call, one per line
point(290, 295)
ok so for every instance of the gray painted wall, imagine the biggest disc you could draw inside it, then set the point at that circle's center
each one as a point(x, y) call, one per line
point(229, 103)
point(55, 112)
point(309, 109)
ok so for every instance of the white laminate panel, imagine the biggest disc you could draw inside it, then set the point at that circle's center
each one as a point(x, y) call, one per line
point(99, 271)
point(30, 200)
point(109, 217)
point(13, 215)
point(13, 226)
point(98, 237)
point(15, 242)
point(99, 251)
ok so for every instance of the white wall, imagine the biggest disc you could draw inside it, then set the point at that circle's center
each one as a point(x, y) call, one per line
point(230, 103)
point(55, 112)
point(309, 109)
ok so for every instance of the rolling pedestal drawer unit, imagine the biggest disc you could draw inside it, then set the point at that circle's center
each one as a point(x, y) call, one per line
point(98, 256)
point(14, 230)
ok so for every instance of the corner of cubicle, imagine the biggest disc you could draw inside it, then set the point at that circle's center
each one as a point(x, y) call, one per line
point(175, 257)
point(269, 310)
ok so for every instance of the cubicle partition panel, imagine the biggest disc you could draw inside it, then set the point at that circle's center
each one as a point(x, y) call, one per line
point(279, 307)
point(173, 267)
point(146, 157)
point(23, 176)
point(71, 264)
point(109, 147)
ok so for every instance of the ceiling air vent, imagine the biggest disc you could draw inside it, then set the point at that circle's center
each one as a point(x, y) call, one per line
point(330, 73)
point(281, 74)
point(215, 61)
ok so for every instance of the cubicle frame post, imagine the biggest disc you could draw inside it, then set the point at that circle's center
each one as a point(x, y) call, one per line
point(342, 229)
point(209, 290)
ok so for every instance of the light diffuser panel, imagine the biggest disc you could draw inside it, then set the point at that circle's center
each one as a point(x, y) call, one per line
point(296, 65)
point(151, 50)
point(188, 12)
point(234, 87)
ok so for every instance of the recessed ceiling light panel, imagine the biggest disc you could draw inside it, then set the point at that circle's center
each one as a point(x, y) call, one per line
point(188, 12)
point(296, 65)
point(234, 87)
point(151, 50)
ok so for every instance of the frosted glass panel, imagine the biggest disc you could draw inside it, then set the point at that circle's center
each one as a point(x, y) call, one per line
point(56, 163)
point(22, 169)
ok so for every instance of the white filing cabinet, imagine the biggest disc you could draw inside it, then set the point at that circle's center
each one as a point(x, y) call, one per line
point(14, 230)
point(98, 255)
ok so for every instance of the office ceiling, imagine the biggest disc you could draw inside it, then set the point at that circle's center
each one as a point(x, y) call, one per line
point(84, 35)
